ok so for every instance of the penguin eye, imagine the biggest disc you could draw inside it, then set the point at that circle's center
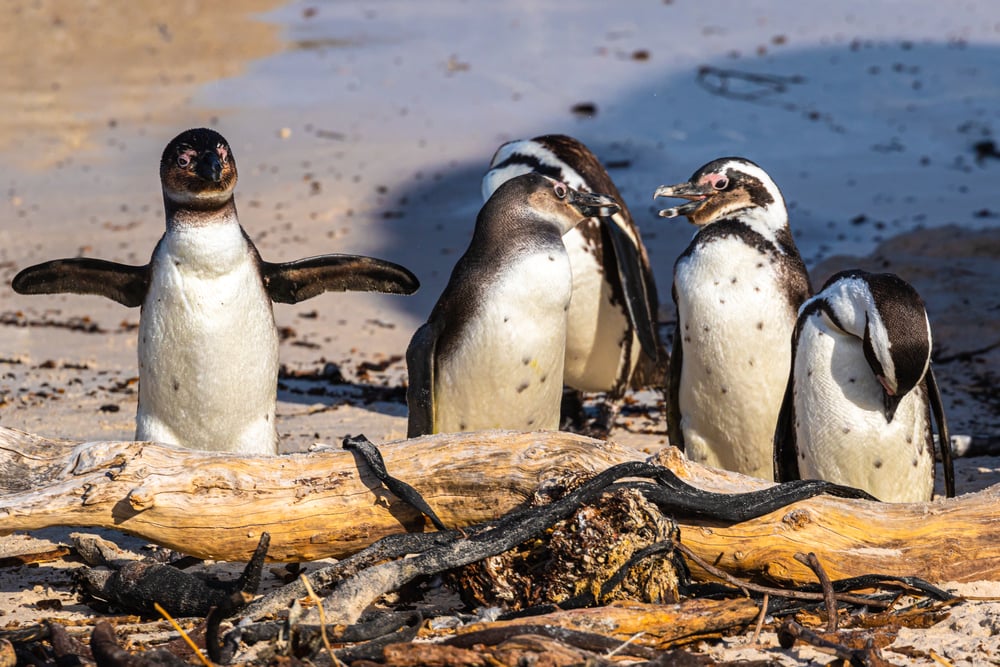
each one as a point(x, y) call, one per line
point(561, 190)
point(721, 183)
point(185, 155)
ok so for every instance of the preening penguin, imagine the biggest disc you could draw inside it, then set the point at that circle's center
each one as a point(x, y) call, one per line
point(858, 404)
point(737, 288)
point(492, 351)
point(208, 345)
point(611, 337)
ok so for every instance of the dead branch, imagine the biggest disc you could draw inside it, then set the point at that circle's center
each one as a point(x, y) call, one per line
point(320, 504)
point(651, 625)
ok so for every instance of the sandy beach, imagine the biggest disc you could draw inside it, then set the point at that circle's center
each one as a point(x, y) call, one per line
point(366, 127)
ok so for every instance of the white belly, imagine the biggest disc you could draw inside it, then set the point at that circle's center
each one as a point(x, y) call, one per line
point(736, 327)
point(596, 329)
point(841, 431)
point(507, 372)
point(208, 347)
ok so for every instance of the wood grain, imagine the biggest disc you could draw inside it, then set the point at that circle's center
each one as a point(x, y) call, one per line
point(319, 504)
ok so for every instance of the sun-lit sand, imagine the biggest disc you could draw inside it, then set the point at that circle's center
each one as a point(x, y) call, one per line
point(365, 128)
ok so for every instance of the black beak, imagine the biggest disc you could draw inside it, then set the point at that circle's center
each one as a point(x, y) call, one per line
point(210, 167)
point(593, 206)
point(889, 404)
point(696, 193)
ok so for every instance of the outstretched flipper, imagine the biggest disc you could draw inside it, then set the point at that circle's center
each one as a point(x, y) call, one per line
point(123, 283)
point(944, 438)
point(420, 387)
point(635, 286)
point(292, 282)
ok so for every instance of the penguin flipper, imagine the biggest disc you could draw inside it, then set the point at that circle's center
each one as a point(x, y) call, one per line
point(674, 432)
point(786, 451)
point(635, 286)
point(786, 466)
point(292, 282)
point(420, 383)
point(944, 438)
point(123, 283)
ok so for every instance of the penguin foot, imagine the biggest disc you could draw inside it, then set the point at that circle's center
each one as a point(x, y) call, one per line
point(572, 416)
point(576, 417)
point(607, 414)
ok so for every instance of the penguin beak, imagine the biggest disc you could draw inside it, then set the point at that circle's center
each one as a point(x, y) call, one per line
point(889, 405)
point(890, 399)
point(592, 205)
point(210, 167)
point(698, 194)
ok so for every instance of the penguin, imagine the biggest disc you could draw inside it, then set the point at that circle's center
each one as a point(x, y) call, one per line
point(491, 354)
point(861, 392)
point(208, 344)
point(737, 288)
point(611, 337)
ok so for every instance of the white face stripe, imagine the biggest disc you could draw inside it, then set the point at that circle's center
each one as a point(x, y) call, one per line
point(930, 342)
point(879, 336)
point(494, 178)
point(753, 170)
point(850, 300)
point(766, 220)
point(853, 305)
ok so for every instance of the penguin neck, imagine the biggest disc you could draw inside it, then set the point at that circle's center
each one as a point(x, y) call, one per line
point(518, 228)
point(207, 243)
point(771, 222)
point(180, 216)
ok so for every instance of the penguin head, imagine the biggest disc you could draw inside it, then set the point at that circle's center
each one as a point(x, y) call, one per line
point(198, 170)
point(889, 317)
point(539, 198)
point(721, 188)
point(557, 156)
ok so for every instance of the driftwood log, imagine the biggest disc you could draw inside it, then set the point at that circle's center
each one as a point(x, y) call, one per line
point(320, 504)
point(658, 626)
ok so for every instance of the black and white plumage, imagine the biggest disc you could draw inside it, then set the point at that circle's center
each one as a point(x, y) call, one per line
point(491, 354)
point(737, 288)
point(611, 337)
point(858, 405)
point(208, 345)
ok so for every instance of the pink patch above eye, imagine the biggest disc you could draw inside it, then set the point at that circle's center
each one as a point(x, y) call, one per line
point(223, 152)
point(717, 181)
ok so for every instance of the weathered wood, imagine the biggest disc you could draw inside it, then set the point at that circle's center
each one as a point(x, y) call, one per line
point(948, 539)
point(314, 505)
point(319, 504)
point(657, 626)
